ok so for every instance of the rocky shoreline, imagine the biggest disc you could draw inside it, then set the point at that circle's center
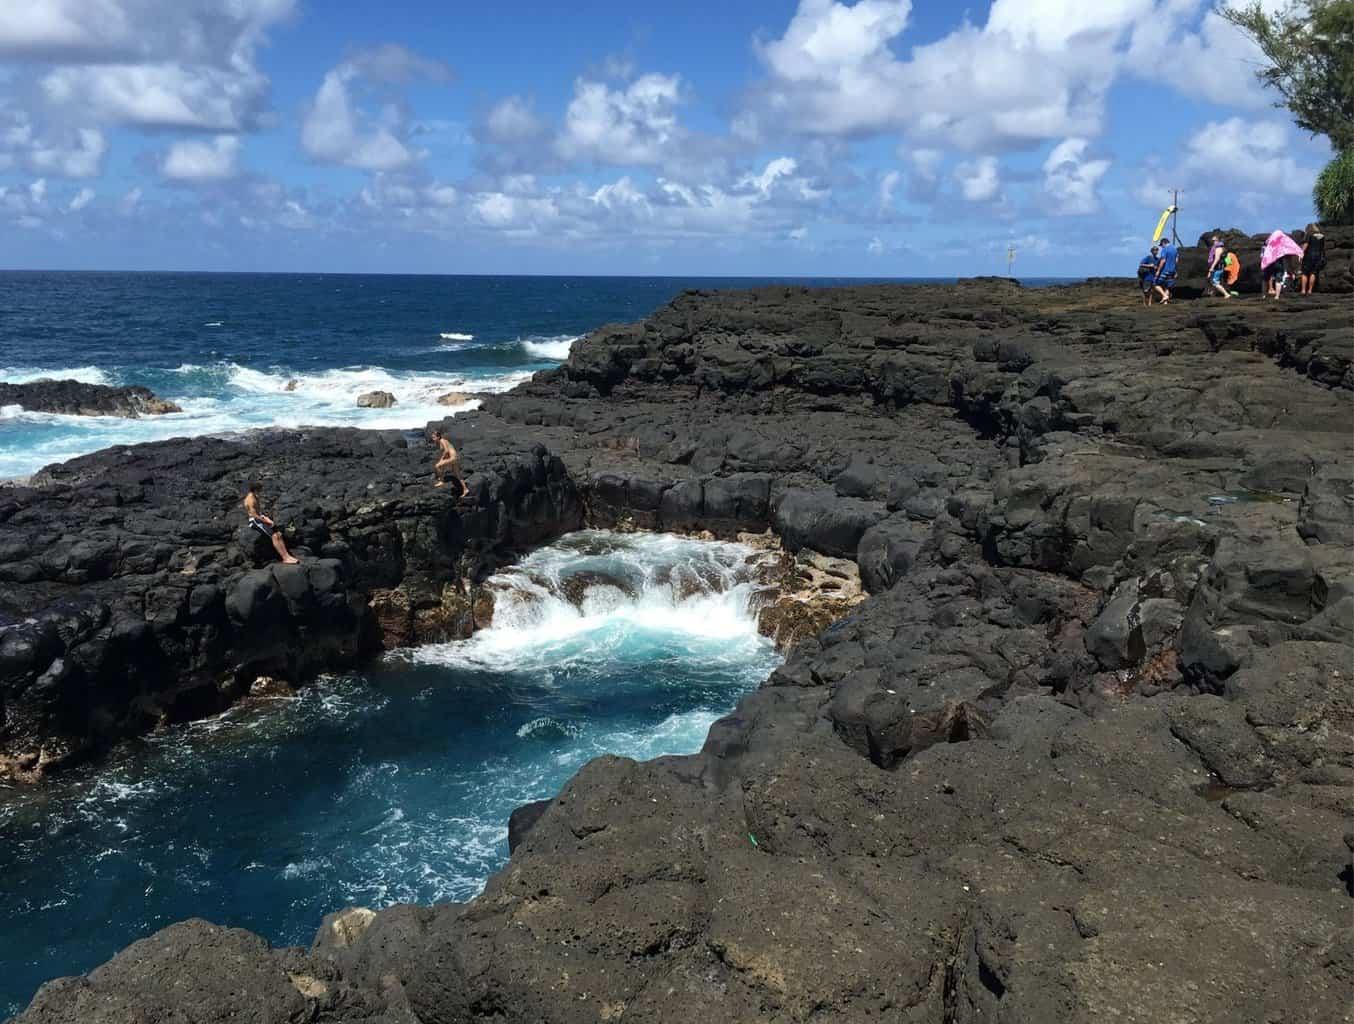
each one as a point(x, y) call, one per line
point(1085, 753)
point(75, 398)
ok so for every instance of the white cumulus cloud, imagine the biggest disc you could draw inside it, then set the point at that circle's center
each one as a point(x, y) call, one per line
point(200, 160)
point(338, 130)
point(632, 125)
point(1070, 179)
point(148, 63)
point(1249, 154)
point(75, 154)
point(979, 180)
point(1035, 71)
point(512, 121)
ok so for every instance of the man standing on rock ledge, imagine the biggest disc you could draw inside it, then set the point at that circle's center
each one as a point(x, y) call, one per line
point(258, 521)
point(448, 464)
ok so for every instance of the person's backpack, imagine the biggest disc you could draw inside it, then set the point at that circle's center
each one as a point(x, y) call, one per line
point(1233, 267)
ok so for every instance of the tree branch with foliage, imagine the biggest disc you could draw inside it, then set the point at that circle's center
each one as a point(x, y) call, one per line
point(1309, 49)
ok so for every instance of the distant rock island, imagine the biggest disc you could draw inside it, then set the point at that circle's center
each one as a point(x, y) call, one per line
point(1086, 752)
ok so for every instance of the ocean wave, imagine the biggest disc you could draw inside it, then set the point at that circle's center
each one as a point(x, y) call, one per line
point(412, 387)
point(227, 397)
point(453, 336)
point(556, 347)
point(642, 593)
point(28, 374)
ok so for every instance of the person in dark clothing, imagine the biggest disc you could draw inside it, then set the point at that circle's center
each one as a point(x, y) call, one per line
point(1147, 273)
point(1313, 259)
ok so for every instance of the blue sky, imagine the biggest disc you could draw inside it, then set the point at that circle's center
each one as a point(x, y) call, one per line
point(875, 138)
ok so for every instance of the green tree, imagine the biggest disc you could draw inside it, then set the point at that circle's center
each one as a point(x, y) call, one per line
point(1333, 194)
point(1309, 50)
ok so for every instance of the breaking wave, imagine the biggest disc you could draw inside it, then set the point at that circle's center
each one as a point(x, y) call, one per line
point(226, 397)
point(600, 594)
point(550, 348)
point(28, 374)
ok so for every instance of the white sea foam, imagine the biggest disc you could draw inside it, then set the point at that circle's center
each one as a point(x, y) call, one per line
point(548, 727)
point(631, 585)
point(556, 347)
point(28, 374)
point(454, 336)
point(242, 398)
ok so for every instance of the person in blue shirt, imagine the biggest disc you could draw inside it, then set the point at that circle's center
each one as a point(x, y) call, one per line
point(1147, 273)
point(1165, 279)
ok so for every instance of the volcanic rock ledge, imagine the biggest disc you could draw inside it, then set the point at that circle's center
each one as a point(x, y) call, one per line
point(1087, 753)
point(134, 595)
point(75, 398)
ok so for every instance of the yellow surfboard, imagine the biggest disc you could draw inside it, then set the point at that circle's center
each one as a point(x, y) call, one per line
point(1161, 224)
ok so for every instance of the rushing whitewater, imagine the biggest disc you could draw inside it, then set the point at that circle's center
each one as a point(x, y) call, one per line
point(600, 590)
point(395, 785)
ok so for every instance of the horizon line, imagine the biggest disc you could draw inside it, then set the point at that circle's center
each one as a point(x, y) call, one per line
point(635, 277)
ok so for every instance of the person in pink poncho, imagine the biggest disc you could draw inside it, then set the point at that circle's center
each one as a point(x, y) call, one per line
point(1275, 257)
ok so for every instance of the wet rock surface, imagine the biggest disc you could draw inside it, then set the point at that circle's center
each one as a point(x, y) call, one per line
point(376, 400)
point(75, 398)
point(1085, 753)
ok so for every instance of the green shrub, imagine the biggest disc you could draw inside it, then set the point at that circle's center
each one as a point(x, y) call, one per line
point(1333, 194)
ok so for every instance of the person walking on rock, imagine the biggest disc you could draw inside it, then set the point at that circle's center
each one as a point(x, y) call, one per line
point(1217, 273)
point(448, 464)
point(1165, 278)
point(1278, 260)
point(264, 525)
point(1147, 273)
point(1313, 259)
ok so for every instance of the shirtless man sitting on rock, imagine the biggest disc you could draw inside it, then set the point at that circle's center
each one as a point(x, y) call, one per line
point(448, 463)
point(258, 521)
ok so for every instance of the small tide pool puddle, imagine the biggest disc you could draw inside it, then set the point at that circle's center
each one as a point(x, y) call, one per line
point(390, 786)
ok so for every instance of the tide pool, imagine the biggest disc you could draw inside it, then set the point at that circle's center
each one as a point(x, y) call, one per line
point(388, 786)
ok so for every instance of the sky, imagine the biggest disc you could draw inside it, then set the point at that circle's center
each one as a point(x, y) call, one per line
point(880, 138)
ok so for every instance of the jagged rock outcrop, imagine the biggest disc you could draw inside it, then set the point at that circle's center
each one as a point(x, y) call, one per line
point(134, 594)
point(75, 398)
point(1086, 753)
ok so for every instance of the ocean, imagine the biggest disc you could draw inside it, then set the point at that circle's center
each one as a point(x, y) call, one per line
point(226, 346)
